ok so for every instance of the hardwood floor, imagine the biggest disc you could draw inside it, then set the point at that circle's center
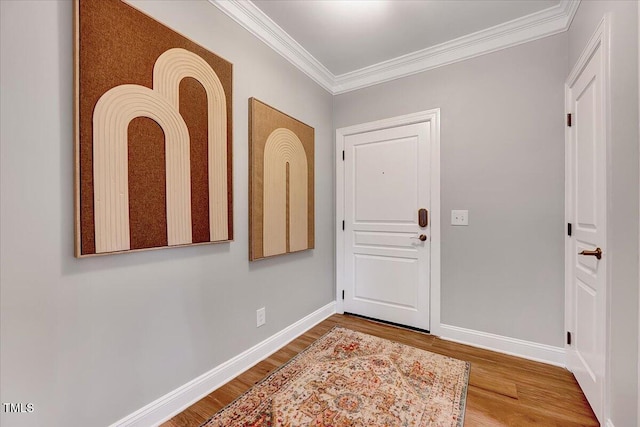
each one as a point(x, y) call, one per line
point(503, 390)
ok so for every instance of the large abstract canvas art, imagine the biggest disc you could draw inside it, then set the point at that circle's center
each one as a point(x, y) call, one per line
point(281, 183)
point(153, 134)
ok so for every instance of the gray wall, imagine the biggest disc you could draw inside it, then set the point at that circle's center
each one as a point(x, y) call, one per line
point(623, 167)
point(502, 158)
point(90, 341)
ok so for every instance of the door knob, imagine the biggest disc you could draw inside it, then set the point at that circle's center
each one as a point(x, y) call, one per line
point(421, 237)
point(597, 253)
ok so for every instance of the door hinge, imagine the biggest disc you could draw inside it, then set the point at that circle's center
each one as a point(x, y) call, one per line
point(569, 119)
point(343, 155)
point(343, 294)
point(342, 225)
point(569, 229)
point(568, 338)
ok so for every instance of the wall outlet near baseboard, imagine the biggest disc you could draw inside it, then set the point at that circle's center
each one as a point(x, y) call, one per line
point(261, 317)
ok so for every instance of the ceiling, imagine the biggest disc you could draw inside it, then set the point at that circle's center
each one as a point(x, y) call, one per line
point(349, 35)
point(345, 45)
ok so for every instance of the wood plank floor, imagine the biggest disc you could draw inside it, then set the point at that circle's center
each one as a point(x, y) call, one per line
point(503, 390)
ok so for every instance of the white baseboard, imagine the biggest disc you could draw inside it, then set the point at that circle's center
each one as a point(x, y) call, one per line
point(512, 346)
point(181, 398)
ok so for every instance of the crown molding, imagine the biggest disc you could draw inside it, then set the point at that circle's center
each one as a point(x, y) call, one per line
point(531, 27)
point(249, 16)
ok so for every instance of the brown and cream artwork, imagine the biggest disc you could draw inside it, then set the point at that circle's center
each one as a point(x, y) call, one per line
point(281, 183)
point(153, 134)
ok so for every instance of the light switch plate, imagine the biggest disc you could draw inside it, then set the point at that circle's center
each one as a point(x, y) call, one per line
point(459, 217)
point(261, 317)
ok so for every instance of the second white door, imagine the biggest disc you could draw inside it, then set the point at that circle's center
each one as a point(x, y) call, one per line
point(387, 251)
point(586, 203)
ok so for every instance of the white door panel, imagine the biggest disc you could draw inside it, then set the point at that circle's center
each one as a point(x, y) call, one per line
point(586, 173)
point(586, 211)
point(374, 274)
point(383, 191)
point(386, 266)
point(383, 239)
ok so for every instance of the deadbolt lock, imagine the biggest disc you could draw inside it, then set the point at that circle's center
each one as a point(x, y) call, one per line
point(423, 217)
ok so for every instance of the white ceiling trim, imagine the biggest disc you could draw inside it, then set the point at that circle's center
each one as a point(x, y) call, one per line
point(260, 25)
point(535, 26)
point(531, 27)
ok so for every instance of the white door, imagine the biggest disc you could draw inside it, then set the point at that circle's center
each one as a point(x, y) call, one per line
point(586, 255)
point(386, 264)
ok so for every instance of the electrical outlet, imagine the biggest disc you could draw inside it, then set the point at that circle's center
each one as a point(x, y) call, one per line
point(459, 217)
point(261, 317)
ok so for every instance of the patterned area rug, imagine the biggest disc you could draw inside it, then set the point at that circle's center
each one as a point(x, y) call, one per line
point(348, 378)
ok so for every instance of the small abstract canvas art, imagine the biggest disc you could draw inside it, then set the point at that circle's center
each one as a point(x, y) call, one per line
point(281, 183)
point(153, 134)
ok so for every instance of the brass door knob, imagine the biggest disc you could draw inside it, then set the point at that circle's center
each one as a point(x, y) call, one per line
point(421, 237)
point(597, 253)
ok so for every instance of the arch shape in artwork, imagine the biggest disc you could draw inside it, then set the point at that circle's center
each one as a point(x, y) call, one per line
point(284, 148)
point(169, 70)
point(113, 112)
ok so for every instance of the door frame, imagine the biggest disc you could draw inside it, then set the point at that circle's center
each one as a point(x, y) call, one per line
point(600, 38)
point(428, 116)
